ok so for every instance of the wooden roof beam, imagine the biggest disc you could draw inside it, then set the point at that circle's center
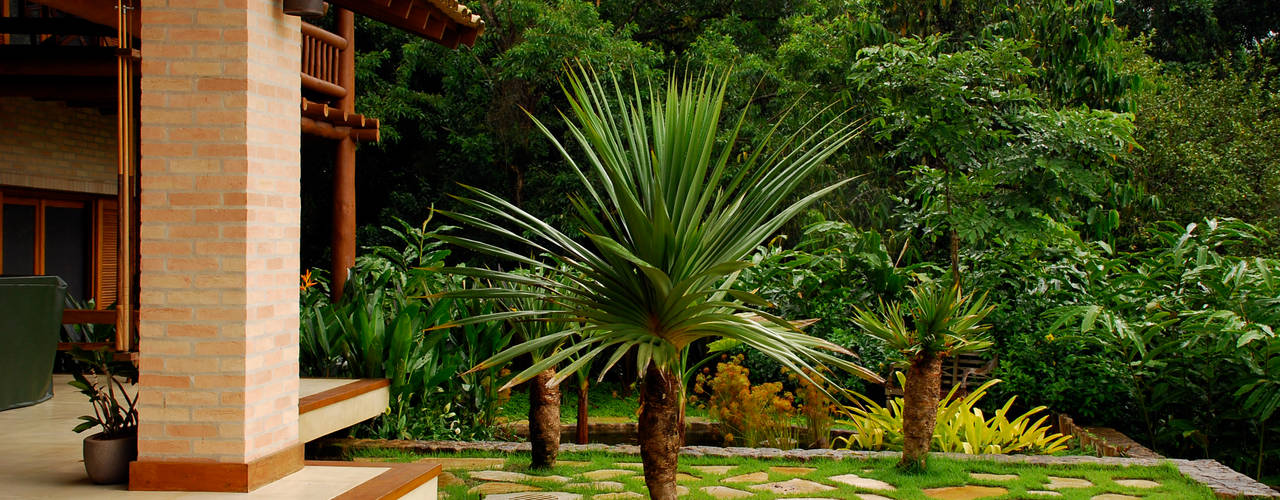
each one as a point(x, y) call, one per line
point(39, 60)
point(95, 11)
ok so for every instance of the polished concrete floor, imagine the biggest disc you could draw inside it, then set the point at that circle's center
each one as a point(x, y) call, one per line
point(41, 458)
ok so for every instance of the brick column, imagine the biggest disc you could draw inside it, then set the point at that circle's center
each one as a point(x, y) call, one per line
point(219, 245)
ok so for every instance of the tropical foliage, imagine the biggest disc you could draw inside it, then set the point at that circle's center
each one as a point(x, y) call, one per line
point(1051, 137)
point(962, 426)
point(101, 377)
point(938, 322)
point(668, 222)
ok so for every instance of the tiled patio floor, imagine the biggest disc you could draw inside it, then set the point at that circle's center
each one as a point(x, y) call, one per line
point(41, 458)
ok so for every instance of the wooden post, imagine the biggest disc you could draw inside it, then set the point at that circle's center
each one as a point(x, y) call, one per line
point(344, 173)
point(124, 191)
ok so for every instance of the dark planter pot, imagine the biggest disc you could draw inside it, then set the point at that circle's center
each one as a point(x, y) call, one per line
point(107, 459)
point(305, 8)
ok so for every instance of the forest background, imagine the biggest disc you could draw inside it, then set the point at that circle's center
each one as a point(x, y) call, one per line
point(1107, 171)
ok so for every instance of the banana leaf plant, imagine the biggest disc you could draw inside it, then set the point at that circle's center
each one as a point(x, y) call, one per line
point(670, 210)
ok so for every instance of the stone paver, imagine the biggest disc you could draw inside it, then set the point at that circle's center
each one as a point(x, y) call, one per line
point(714, 470)
point(499, 475)
point(725, 492)
point(982, 476)
point(1224, 481)
point(468, 463)
point(791, 471)
point(967, 492)
point(494, 488)
point(1044, 493)
point(1114, 496)
point(681, 490)
point(624, 495)
point(1058, 483)
point(572, 463)
point(685, 478)
point(754, 477)
point(1137, 483)
point(792, 486)
point(605, 474)
point(535, 495)
point(867, 496)
point(598, 486)
point(630, 465)
point(448, 479)
point(863, 482)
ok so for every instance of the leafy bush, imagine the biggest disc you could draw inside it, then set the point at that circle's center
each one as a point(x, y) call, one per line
point(1193, 328)
point(962, 427)
point(386, 325)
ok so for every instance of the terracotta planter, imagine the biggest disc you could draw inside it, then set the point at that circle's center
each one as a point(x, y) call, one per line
point(107, 459)
point(305, 8)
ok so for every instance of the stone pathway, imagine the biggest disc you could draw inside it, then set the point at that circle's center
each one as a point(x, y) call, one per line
point(607, 483)
point(1221, 479)
point(491, 479)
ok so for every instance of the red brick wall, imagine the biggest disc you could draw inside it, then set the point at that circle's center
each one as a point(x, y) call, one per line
point(49, 145)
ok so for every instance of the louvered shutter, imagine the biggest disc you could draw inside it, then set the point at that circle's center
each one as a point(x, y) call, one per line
point(106, 262)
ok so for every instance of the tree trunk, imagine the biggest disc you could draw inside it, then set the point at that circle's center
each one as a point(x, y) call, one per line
point(920, 409)
point(659, 431)
point(544, 420)
point(582, 412)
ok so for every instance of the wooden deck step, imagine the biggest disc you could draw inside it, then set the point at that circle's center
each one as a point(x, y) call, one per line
point(328, 405)
point(409, 481)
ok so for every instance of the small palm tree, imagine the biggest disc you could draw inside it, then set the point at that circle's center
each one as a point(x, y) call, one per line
point(544, 397)
point(668, 224)
point(939, 322)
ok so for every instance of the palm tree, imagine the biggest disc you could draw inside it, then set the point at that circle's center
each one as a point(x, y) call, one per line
point(943, 322)
point(544, 397)
point(668, 222)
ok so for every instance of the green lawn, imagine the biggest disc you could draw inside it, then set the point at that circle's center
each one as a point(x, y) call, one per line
point(942, 472)
point(606, 402)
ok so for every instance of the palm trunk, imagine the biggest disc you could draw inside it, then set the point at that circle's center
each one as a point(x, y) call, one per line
point(920, 409)
point(544, 420)
point(659, 431)
point(582, 412)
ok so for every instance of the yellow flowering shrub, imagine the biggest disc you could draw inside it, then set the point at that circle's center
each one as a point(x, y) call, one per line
point(750, 415)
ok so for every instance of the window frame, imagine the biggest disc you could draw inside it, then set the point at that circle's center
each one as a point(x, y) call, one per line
point(93, 203)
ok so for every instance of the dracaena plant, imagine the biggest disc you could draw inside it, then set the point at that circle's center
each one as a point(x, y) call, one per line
point(938, 322)
point(670, 213)
point(101, 378)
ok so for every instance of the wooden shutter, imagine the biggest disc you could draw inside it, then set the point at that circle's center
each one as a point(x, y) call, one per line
point(106, 248)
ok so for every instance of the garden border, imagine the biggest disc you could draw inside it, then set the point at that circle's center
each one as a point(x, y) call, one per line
point(1224, 481)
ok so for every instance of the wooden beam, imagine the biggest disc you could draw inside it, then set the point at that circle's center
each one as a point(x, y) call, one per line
point(96, 11)
point(20, 60)
point(53, 26)
point(95, 89)
point(89, 316)
point(317, 85)
point(416, 16)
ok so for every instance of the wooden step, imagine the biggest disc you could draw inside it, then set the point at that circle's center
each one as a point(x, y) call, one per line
point(328, 405)
point(409, 481)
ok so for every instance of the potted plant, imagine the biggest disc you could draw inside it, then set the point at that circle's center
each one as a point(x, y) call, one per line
point(100, 376)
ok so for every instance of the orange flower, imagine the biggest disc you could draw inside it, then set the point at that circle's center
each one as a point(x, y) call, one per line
point(306, 281)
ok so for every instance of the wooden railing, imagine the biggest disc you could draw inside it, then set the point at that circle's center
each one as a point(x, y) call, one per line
point(321, 53)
